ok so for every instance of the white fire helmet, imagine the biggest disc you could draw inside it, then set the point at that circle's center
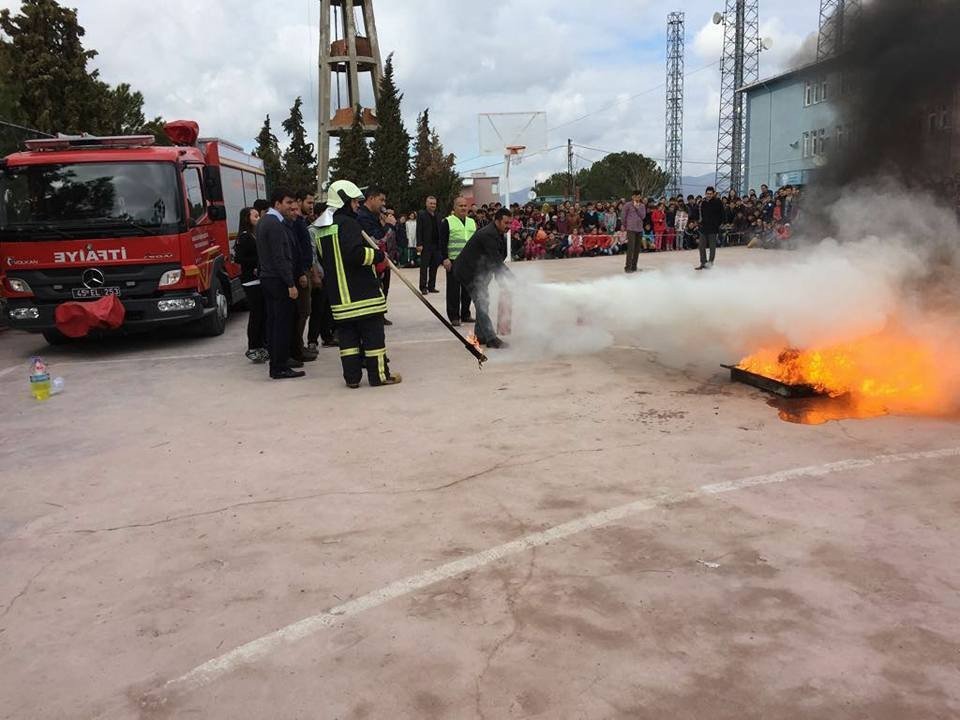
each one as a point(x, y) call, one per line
point(341, 193)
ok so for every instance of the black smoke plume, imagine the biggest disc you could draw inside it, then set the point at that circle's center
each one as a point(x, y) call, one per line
point(901, 94)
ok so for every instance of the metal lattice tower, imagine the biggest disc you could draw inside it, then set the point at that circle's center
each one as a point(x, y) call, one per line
point(674, 140)
point(349, 54)
point(835, 18)
point(740, 66)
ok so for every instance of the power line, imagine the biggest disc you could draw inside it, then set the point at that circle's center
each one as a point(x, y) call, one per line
point(613, 152)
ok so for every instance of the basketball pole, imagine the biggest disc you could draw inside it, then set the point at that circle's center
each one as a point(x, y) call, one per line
point(506, 204)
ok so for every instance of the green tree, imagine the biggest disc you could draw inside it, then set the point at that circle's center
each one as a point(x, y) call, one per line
point(45, 69)
point(434, 171)
point(268, 150)
point(558, 184)
point(390, 149)
point(299, 159)
point(620, 174)
point(353, 156)
point(45, 82)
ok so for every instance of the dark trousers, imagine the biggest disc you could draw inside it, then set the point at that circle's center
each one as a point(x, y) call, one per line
point(429, 262)
point(705, 240)
point(458, 299)
point(362, 343)
point(281, 315)
point(321, 317)
point(302, 305)
point(480, 292)
point(256, 319)
point(633, 250)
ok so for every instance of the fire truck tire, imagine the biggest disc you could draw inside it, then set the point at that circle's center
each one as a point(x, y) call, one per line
point(55, 337)
point(216, 322)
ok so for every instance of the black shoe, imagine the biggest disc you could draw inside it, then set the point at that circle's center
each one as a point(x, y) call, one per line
point(702, 267)
point(387, 322)
point(287, 374)
point(497, 344)
point(434, 290)
point(330, 343)
point(455, 323)
point(353, 386)
point(294, 363)
point(424, 291)
point(469, 319)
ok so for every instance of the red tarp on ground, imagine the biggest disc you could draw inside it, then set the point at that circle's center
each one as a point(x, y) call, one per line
point(77, 319)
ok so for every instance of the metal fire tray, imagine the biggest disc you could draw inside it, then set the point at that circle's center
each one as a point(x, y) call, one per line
point(770, 385)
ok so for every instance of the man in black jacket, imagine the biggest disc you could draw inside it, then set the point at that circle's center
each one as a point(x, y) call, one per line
point(428, 246)
point(711, 218)
point(305, 259)
point(482, 259)
point(380, 227)
point(277, 251)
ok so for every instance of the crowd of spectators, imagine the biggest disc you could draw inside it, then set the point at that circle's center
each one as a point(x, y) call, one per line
point(577, 229)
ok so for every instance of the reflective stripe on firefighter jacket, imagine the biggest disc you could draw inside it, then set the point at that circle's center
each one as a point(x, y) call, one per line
point(460, 232)
point(350, 279)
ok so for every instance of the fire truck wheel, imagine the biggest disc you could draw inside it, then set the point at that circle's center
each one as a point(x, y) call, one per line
point(216, 322)
point(55, 337)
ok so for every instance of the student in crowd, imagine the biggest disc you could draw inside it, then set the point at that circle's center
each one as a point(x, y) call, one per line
point(245, 253)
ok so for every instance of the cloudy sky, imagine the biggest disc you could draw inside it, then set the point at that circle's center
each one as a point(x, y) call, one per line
point(227, 63)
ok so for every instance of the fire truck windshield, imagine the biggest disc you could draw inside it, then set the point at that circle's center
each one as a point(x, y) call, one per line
point(84, 200)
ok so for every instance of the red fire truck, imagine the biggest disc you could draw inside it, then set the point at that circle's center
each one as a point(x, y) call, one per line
point(82, 217)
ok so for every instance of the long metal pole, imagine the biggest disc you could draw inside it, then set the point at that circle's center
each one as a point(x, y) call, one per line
point(474, 350)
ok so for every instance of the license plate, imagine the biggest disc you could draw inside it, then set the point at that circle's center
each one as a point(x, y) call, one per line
point(88, 293)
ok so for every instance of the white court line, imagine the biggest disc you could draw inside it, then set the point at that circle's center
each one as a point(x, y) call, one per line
point(254, 650)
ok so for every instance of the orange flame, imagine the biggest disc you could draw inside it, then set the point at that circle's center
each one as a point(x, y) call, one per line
point(891, 372)
point(474, 341)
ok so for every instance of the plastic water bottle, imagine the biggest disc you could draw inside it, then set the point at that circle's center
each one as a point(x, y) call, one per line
point(39, 379)
point(56, 387)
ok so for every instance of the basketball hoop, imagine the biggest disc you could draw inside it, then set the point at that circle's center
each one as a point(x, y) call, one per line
point(515, 153)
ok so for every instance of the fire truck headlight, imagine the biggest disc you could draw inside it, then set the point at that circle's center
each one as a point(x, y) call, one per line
point(176, 305)
point(19, 286)
point(171, 277)
point(27, 313)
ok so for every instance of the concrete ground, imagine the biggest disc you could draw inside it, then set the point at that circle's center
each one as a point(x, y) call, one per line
point(585, 538)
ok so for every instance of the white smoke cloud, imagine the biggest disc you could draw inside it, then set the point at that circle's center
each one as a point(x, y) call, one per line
point(875, 272)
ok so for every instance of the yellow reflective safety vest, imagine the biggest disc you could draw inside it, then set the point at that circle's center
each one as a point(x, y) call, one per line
point(349, 276)
point(460, 232)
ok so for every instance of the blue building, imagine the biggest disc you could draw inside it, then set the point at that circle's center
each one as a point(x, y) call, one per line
point(792, 126)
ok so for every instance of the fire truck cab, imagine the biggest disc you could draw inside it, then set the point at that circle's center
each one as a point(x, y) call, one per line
point(82, 217)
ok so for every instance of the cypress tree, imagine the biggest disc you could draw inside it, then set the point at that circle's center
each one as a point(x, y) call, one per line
point(299, 159)
point(268, 150)
point(390, 149)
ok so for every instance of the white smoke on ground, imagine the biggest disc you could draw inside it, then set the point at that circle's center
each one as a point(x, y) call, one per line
point(888, 249)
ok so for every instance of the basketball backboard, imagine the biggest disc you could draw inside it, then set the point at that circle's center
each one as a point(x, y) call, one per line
point(499, 131)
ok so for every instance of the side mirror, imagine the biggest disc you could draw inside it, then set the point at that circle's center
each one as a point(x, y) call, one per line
point(211, 179)
point(217, 213)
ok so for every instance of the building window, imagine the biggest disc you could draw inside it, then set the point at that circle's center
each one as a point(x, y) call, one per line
point(823, 90)
point(840, 138)
point(944, 118)
point(806, 145)
point(807, 94)
point(816, 93)
point(822, 137)
point(932, 122)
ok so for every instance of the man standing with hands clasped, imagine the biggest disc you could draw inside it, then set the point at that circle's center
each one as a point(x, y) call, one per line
point(455, 231)
point(711, 218)
point(278, 255)
point(428, 246)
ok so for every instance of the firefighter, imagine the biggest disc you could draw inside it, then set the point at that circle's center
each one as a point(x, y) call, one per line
point(357, 301)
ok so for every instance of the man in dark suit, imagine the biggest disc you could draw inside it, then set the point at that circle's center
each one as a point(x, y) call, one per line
point(428, 246)
point(481, 260)
point(277, 251)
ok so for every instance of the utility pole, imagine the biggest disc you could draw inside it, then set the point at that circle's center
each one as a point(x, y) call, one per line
point(572, 186)
point(674, 124)
point(835, 17)
point(739, 67)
